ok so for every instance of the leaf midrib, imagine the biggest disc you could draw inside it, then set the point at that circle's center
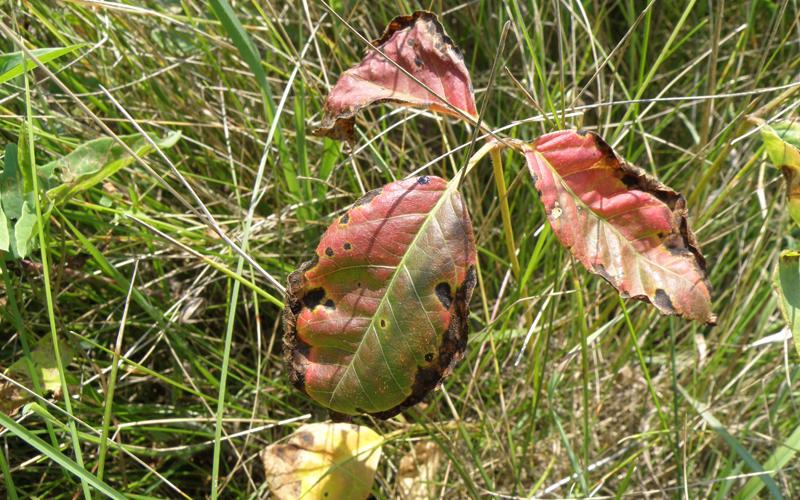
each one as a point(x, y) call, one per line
point(578, 199)
point(400, 265)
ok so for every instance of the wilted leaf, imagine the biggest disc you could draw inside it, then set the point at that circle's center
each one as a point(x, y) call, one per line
point(324, 461)
point(789, 281)
point(11, 64)
point(94, 161)
point(782, 141)
point(417, 472)
point(419, 44)
point(620, 222)
point(44, 363)
point(380, 315)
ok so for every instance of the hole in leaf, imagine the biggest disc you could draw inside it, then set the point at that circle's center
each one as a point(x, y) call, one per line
point(313, 297)
point(444, 294)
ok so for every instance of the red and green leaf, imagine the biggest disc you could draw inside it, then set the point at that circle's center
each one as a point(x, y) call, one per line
point(375, 321)
point(620, 223)
point(418, 44)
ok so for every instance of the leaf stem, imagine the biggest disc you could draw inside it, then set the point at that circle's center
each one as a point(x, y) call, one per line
point(40, 221)
point(502, 194)
point(112, 378)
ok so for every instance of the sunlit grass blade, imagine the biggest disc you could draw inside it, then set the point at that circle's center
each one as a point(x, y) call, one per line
point(58, 457)
point(736, 446)
point(12, 65)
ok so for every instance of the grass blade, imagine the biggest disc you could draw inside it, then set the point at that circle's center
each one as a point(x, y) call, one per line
point(737, 447)
point(55, 455)
point(782, 456)
point(11, 65)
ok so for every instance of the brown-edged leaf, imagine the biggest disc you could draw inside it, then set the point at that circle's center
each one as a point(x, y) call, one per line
point(379, 316)
point(417, 43)
point(324, 461)
point(620, 222)
point(782, 142)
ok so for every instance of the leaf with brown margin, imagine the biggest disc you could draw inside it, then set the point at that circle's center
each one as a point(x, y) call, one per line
point(620, 222)
point(375, 321)
point(782, 142)
point(324, 461)
point(417, 43)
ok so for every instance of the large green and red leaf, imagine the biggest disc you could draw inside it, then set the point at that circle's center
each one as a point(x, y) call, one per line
point(419, 45)
point(380, 315)
point(620, 222)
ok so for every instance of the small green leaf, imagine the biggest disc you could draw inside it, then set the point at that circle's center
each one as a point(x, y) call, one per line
point(94, 161)
point(789, 281)
point(25, 232)
point(5, 238)
point(11, 64)
point(24, 158)
point(11, 184)
point(782, 142)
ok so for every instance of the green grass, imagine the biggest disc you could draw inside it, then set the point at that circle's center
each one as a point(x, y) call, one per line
point(608, 398)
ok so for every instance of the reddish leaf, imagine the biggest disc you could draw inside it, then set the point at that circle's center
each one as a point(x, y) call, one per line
point(380, 315)
point(620, 222)
point(419, 44)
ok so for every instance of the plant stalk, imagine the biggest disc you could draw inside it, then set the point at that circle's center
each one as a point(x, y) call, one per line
point(502, 194)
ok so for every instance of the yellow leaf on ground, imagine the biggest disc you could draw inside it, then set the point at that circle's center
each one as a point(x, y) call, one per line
point(325, 461)
point(43, 360)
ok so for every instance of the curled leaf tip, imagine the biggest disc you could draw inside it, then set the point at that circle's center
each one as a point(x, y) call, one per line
point(418, 44)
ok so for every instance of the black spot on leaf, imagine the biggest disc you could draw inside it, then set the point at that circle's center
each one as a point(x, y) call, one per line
point(663, 302)
point(429, 357)
point(383, 323)
point(368, 197)
point(423, 179)
point(347, 246)
point(312, 298)
point(418, 62)
point(444, 294)
point(329, 252)
point(330, 304)
point(344, 219)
